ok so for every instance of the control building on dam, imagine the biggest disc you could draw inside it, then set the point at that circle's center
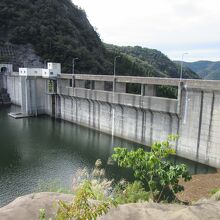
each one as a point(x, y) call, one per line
point(143, 118)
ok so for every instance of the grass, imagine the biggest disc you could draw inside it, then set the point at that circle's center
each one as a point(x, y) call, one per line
point(214, 190)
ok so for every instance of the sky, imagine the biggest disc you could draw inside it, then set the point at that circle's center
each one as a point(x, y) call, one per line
point(171, 26)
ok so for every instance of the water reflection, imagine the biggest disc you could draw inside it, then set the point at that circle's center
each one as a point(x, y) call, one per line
point(43, 149)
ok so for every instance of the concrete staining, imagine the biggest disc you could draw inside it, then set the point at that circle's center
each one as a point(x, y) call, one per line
point(132, 123)
point(143, 118)
point(30, 93)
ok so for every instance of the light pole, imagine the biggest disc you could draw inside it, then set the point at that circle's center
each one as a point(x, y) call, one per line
point(113, 98)
point(181, 70)
point(180, 89)
point(73, 70)
point(45, 64)
point(115, 59)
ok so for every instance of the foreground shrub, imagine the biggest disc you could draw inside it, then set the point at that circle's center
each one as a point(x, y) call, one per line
point(130, 193)
point(81, 208)
point(101, 186)
point(158, 179)
point(214, 190)
point(216, 196)
point(160, 176)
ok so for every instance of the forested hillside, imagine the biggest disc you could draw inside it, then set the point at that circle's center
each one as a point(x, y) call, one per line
point(205, 69)
point(57, 30)
point(153, 61)
point(36, 31)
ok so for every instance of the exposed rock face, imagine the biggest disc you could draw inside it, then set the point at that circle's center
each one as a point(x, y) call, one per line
point(26, 56)
point(27, 207)
point(23, 56)
point(58, 31)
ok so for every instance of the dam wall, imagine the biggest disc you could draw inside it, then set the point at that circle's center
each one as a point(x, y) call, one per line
point(144, 118)
point(30, 93)
point(1, 81)
point(200, 123)
point(13, 86)
point(139, 125)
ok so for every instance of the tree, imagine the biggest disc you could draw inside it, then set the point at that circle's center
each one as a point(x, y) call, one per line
point(159, 175)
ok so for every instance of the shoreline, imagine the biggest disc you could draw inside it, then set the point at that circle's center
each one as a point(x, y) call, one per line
point(199, 186)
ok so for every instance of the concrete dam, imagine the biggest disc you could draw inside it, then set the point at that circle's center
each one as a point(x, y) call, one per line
point(144, 118)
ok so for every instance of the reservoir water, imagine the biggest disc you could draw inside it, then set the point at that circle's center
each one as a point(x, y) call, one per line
point(34, 150)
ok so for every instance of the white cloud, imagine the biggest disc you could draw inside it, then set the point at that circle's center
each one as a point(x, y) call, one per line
point(160, 24)
point(195, 55)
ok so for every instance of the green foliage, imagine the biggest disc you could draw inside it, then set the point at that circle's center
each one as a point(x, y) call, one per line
point(130, 193)
point(153, 62)
point(216, 196)
point(205, 69)
point(167, 91)
point(81, 208)
point(214, 190)
point(42, 214)
point(86, 186)
point(160, 176)
point(58, 30)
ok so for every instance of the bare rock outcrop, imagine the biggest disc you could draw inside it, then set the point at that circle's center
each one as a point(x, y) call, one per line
point(27, 207)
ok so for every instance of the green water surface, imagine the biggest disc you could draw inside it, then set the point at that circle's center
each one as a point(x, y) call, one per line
point(34, 150)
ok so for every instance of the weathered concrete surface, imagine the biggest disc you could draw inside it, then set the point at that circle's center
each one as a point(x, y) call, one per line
point(27, 208)
point(191, 83)
point(4, 97)
point(143, 118)
point(13, 87)
point(195, 115)
point(143, 126)
point(199, 126)
point(1, 81)
point(30, 93)
point(156, 104)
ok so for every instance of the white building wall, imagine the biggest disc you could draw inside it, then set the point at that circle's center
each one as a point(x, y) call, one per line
point(30, 72)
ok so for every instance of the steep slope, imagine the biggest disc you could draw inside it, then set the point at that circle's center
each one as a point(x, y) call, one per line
point(35, 31)
point(57, 30)
point(205, 69)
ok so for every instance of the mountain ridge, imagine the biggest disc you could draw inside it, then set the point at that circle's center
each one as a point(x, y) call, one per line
point(155, 59)
point(205, 69)
point(59, 31)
